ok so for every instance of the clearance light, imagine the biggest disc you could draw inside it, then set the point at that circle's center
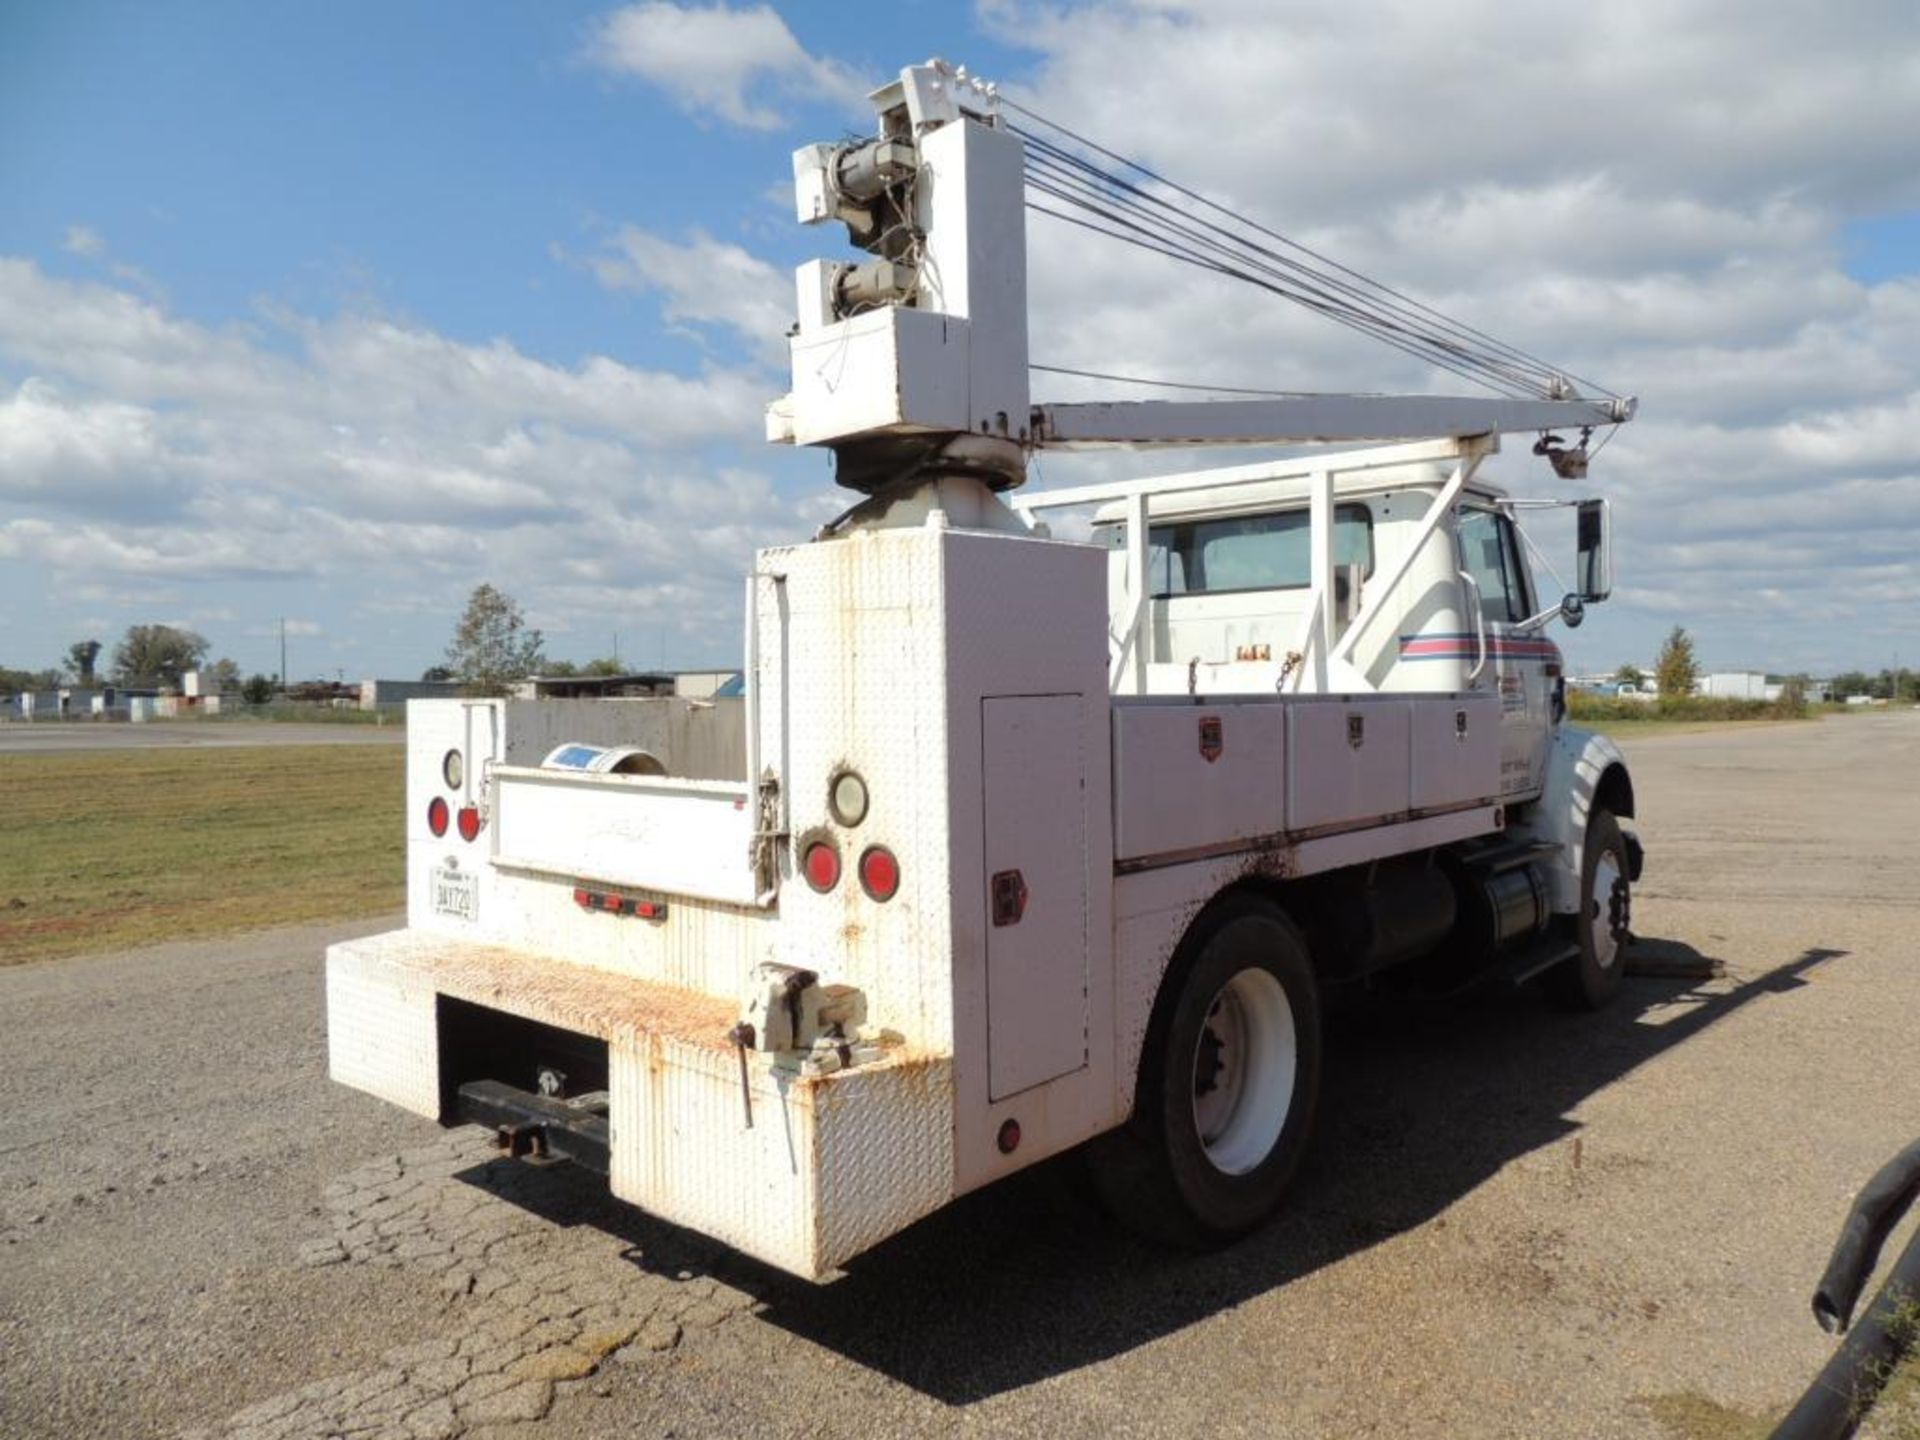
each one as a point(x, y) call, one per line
point(469, 821)
point(879, 872)
point(822, 866)
point(619, 904)
point(437, 816)
point(1009, 1138)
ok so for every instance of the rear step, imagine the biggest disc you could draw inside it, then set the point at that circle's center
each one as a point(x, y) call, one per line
point(538, 1127)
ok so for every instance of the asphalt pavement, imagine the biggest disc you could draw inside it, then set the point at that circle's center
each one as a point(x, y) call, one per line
point(1515, 1222)
point(48, 737)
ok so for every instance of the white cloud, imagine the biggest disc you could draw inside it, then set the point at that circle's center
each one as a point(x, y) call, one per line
point(363, 454)
point(718, 62)
point(84, 240)
point(79, 454)
point(703, 282)
point(1657, 201)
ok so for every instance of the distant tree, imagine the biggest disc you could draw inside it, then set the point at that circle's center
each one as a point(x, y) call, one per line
point(1853, 682)
point(561, 668)
point(155, 655)
point(1676, 670)
point(492, 646)
point(1901, 684)
point(13, 681)
point(257, 691)
point(436, 672)
point(223, 675)
point(1630, 675)
point(81, 656)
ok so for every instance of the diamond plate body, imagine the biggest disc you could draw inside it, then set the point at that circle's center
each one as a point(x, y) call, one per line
point(828, 1166)
point(877, 653)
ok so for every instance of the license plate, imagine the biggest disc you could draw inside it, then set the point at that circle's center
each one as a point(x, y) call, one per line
point(453, 893)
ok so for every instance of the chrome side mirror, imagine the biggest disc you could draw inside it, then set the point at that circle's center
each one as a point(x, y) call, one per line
point(1573, 610)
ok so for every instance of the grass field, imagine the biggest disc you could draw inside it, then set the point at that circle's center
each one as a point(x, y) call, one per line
point(104, 850)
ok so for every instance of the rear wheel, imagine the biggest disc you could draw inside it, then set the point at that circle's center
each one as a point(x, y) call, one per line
point(1229, 1079)
point(1602, 928)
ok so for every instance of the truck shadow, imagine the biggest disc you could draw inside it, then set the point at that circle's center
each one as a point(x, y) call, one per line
point(1423, 1101)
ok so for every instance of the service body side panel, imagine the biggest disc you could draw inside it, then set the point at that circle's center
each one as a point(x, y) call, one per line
point(1196, 774)
point(1349, 761)
point(1033, 754)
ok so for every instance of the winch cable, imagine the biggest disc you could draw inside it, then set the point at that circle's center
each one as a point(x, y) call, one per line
point(1401, 317)
point(1143, 232)
point(1210, 247)
point(1130, 234)
point(1045, 175)
point(1433, 323)
point(1228, 245)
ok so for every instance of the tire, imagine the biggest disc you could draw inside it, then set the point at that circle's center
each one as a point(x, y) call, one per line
point(1602, 929)
point(1228, 1083)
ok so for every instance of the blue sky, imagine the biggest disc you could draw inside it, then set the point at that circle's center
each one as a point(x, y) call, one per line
point(332, 312)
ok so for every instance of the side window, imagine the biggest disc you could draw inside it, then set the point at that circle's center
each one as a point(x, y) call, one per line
point(1489, 555)
point(1166, 566)
point(1252, 552)
point(1517, 578)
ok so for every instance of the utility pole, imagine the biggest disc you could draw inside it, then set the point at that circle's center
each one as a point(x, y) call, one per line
point(283, 654)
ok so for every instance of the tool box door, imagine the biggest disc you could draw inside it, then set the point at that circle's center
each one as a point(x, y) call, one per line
point(1034, 760)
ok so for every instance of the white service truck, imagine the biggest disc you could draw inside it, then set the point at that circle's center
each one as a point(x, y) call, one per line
point(1016, 842)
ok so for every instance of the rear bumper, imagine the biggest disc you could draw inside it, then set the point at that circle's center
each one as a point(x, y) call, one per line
point(826, 1167)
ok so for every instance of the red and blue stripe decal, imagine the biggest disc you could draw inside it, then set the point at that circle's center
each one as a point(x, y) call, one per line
point(1466, 646)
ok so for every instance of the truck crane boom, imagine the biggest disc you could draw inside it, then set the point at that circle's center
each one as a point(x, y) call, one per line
point(1309, 419)
point(914, 365)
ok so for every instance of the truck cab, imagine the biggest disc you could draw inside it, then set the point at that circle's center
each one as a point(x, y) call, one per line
point(1230, 587)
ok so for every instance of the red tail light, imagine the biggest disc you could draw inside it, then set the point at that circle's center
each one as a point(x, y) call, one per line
point(437, 816)
point(469, 821)
point(879, 872)
point(822, 865)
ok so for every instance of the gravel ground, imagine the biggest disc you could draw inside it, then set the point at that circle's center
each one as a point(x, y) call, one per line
point(1515, 1222)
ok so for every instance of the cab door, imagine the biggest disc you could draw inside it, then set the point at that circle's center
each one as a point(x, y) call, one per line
point(1516, 666)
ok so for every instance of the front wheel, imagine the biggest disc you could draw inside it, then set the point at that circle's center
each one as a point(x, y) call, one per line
point(1228, 1083)
point(1602, 928)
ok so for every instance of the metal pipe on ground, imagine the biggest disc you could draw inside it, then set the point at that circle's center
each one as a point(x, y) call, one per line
point(1845, 1390)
